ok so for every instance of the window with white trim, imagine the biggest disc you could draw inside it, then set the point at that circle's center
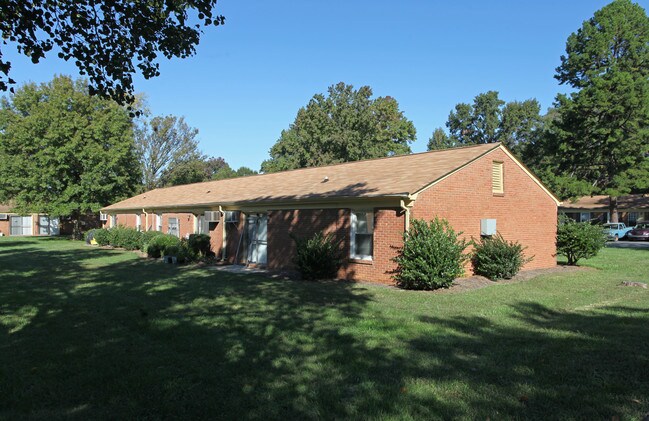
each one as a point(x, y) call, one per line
point(362, 235)
point(174, 227)
point(138, 222)
point(158, 222)
point(113, 221)
point(497, 181)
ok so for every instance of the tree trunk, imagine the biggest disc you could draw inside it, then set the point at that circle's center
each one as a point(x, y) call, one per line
point(76, 231)
point(612, 208)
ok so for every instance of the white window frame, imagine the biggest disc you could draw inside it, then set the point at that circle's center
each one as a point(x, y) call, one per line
point(138, 222)
point(177, 224)
point(158, 222)
point(113, 221)
point(352, 240)
point(584, 216)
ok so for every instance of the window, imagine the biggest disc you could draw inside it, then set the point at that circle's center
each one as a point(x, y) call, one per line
point(174, 227)
point(497, 183)
point(584, 217)
point(362, 235)
point(113, 221)
point(633, 218)
point(200, 224)
point(158, 221)
point(138, 222)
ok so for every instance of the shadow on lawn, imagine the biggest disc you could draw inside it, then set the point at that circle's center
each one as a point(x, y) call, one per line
point(140, 339)
point(147, 340)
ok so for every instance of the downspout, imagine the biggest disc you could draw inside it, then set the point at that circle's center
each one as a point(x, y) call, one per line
point(146, 219)
point(223, 239)
point(406, 210)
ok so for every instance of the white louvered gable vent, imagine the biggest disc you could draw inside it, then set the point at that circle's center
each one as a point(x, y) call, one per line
point(497, 183)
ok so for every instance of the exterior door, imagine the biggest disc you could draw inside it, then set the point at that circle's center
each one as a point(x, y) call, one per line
point(48, 225)
point(257, 238)
point(21, 225)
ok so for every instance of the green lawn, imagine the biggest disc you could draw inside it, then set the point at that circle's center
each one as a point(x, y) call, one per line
point(97, 333)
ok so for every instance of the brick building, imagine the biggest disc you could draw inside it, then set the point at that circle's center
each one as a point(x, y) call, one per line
point(18, 224)
point(367, 205)
point(632, 208)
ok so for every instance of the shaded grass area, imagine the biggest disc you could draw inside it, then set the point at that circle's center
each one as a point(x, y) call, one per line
point(86, 332)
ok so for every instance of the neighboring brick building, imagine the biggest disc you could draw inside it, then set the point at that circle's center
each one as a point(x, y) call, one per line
point(632, 208)
point(14, 224)
point(366, 204)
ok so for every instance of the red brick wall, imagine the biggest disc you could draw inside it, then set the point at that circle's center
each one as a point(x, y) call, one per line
point(524, 213)
point(5, 227)
point(388, 230)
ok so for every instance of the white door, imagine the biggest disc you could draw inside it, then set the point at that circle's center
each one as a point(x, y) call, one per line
point(21, 225)
point(257, 238)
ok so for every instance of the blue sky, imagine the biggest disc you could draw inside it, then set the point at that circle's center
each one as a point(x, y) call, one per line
point(250, 77)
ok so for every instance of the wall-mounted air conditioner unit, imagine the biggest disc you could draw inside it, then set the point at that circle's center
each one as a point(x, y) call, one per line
point(231, 216)
point(103, 216)
point(3, 216)
point(212, 216)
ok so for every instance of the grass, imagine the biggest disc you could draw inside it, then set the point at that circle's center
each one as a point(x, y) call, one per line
point(92, 333)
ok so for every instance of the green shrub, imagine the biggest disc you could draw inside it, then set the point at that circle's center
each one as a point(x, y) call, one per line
point(318, 257)
point(199, 244)
point(124, 237)
point(146, 237)
point(496, 258)
point(158, 244)
point(102, 236)
point(431, 257)
point(579, 240)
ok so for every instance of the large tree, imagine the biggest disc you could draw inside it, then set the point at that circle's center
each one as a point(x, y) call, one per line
point(490, 119)
point(107, 40)
point(345, 125)
point(165, 143)
point(64, 152)
point(601, 134)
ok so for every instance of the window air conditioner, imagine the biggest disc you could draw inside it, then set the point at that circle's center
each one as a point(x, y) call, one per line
point(212, 216)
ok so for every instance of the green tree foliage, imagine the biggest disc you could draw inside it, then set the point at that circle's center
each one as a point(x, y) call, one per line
point(601, 133)
point(440, 140)
point(64, 152)
point(199, 169)
point(162, 144)
point(579, 240)
point(106, 40)
point(490, 119)
point(346, 125)
point(432, 256)
point(228, 172)
point(497, 258)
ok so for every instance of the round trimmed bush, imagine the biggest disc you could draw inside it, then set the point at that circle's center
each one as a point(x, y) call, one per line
point(579, 240)
point(199, 244)
point(158, 244)
point(318, 257)
point(432, 256)
point(145, 239)
point(496, 258)
point(102, 236)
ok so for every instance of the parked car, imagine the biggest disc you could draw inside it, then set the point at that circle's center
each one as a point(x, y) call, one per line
point(616, 230)
point(639, 232)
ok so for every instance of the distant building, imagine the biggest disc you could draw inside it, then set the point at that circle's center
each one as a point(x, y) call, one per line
point(631, 208)
point(14, 224)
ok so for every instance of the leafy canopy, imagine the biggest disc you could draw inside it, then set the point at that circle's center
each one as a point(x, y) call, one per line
point(601, 134)
point(64, 152)
point(490, 119)
point(346, 125)
point(107, 40)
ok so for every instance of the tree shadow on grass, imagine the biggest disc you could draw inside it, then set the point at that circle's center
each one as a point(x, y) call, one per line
point(547, 364)
point(140, 339)
point(102, 334)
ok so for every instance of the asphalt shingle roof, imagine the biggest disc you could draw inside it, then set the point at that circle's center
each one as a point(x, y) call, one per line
point(384, 177)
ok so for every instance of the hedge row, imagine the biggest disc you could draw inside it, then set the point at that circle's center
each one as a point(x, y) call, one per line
point(154, 243)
